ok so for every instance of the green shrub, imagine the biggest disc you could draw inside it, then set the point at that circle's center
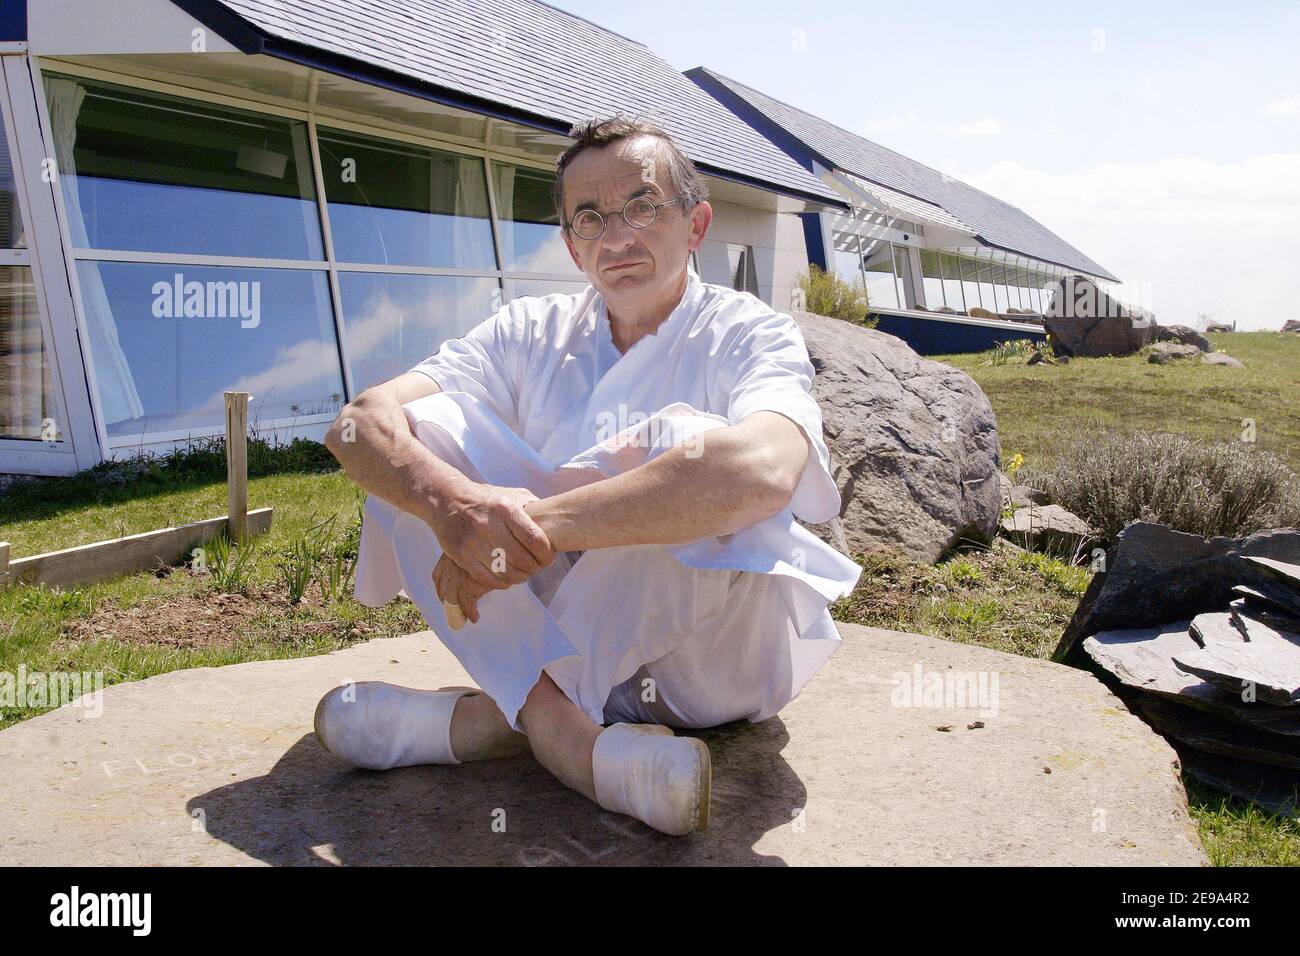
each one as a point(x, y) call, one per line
point(204, 459)
point(825, 293)
point(1218, 488)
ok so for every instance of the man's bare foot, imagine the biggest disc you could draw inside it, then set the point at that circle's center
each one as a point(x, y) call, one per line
point(479, 730)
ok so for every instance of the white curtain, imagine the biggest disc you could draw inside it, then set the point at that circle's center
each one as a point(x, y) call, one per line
point(505, 186)
point(118, 398)
point(470, 207)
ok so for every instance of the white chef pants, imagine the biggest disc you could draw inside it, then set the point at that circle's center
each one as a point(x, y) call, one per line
point(689, 636)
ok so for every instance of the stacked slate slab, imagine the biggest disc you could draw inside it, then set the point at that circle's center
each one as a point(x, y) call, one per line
point(1201, 638)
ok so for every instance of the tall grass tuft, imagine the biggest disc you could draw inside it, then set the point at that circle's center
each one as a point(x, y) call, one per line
point(323, 555)
point(296, 564)
point(1216, 488)
point(230, 566)
point(825, 293)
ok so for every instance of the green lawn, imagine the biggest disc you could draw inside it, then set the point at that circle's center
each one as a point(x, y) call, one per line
point(1041, 408)
point(141, 624)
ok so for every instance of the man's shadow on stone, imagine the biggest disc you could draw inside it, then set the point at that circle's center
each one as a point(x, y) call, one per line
point(313, 809)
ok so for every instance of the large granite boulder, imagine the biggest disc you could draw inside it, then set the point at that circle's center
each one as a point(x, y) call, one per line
point(1084, 321)
point(1291, 325)
point(1182, 334)
point(913, 442)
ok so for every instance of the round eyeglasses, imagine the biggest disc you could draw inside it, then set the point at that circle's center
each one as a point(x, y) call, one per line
point(639, 213)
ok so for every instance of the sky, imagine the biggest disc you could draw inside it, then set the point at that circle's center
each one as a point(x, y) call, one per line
point(1161, 139)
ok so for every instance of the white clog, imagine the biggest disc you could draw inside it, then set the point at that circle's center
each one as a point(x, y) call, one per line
point(378, 726)
point(663, 780)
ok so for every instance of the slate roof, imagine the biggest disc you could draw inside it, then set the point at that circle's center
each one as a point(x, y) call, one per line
point(520, 59)
point(918, 210)
point(996, 222)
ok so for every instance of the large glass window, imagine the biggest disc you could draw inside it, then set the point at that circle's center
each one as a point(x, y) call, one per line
point(529, 225)
point(154, 177)
point(168, 340)
point(147, 172)
point(392, 322)
point(932, 277)
point(952, 293)
point(392, 203)
point(882, 284)
point(846, 259)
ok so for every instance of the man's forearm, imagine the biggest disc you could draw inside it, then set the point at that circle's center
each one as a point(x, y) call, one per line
point(673, 499)
point(373, 442)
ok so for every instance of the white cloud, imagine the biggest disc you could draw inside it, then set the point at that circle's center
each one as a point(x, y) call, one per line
point(1200, 236)
point(887, 124)
point(1284, 106)
point(982, 127)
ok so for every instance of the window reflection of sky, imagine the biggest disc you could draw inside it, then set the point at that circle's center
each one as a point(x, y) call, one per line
point(402, 237)
point(394, 322)
point(180, 366)
point(535, 247)
point(153, 217)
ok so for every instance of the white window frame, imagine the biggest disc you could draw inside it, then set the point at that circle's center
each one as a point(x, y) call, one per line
point(78, 447)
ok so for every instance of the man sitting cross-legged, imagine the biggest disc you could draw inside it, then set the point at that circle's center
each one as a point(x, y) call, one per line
point(591, 498)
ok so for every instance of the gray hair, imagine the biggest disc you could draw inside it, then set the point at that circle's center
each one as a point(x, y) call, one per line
point(687, 182)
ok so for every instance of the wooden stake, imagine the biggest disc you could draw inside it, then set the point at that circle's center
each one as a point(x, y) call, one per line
point(237, 464)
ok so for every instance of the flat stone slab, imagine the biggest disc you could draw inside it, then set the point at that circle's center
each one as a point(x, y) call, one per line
point(219, 766)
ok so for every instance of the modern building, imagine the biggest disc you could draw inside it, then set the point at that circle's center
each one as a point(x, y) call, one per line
point(946, 267)
point(301, 198)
